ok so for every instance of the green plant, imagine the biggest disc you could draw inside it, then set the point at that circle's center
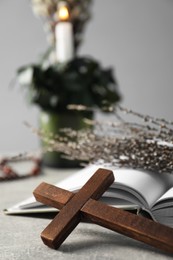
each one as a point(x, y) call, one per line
point(81, 81)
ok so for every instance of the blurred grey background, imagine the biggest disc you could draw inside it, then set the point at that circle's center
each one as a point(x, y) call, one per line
point(134, 37)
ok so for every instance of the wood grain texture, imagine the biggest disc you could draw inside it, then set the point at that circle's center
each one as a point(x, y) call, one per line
point(52, 196)
point(69, 216)
point(126, 223)
point(136, 227)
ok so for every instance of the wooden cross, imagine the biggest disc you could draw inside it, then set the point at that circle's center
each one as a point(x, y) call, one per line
point(84, 206)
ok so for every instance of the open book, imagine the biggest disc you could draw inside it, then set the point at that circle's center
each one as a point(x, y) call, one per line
point(132, 189)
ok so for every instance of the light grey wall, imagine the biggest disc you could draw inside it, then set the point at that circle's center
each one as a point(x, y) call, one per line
point(135, 37)
point(21, 41)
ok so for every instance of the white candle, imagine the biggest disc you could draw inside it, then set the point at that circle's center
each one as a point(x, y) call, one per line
point(64, 36)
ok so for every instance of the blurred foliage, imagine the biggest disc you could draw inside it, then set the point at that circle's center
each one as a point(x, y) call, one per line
point(81, 81)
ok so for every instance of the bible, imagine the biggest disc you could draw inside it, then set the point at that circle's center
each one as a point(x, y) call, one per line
point(146, 192)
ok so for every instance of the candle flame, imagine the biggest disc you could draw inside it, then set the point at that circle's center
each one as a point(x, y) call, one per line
point(63, 13)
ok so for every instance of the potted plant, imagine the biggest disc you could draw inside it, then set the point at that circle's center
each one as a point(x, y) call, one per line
point(53, 85)
point(81, 81)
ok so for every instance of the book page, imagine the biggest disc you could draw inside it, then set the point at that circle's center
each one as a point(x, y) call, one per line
point(166, 200)
point(133, 186)
point(162, 211)
point(147, 187)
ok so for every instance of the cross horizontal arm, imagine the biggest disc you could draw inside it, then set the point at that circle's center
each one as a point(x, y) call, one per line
point(52, 196)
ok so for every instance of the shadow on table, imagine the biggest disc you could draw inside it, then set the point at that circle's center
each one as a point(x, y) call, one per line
point(45, 215)
point(98, 240)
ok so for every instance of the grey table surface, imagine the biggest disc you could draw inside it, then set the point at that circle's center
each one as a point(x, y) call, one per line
point(20, 235)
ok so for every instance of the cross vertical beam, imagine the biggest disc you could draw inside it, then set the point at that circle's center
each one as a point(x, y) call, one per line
point(69, 216)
